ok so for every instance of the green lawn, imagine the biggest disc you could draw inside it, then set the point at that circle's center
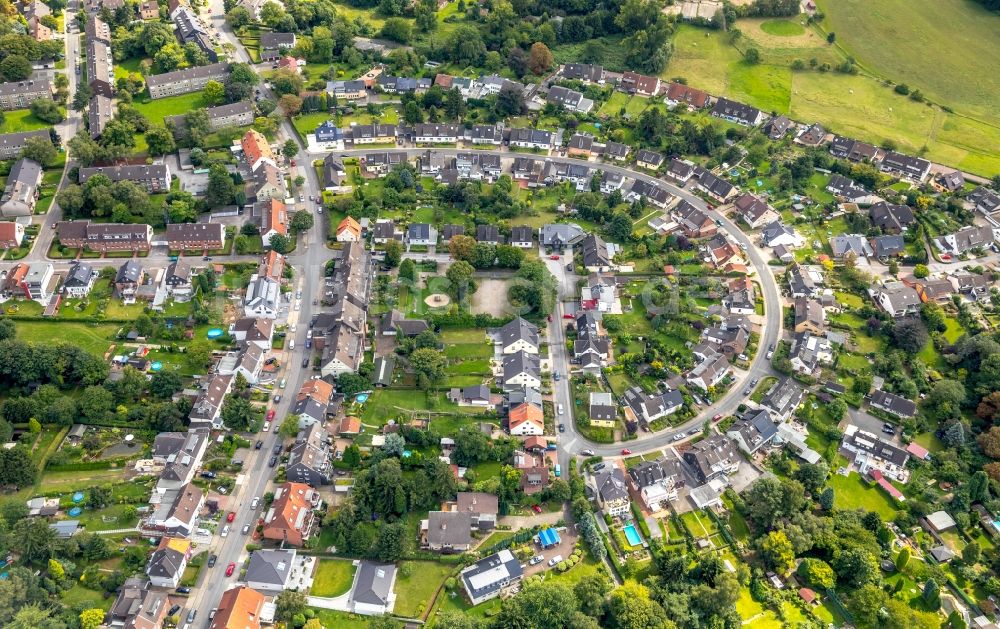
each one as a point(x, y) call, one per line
point(850, 492)
point(157, 110)
point(333, 577)
point(341, 620)
point(21, 120)
point(95, 338)
point(414, 592)
point(782, 28)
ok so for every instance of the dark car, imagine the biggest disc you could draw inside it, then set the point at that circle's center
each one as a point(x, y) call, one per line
point(212, 559)
point(258, 445)
point(888, 429)
point(562, 427)
point(208, 474)
point(173, 610)
point(277, 448)
point(305, 362)
point(183, 590)
point(273, 461)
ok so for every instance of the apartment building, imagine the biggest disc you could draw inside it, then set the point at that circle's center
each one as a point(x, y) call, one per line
point(153, 177)
point(185, 81)
point(20, 94)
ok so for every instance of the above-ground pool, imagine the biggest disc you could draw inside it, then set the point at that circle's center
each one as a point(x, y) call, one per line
point(362, 398)
point(407, 454)
point(214, 333)
point(156, 366)
point(75, 511)
point(78, 496)
point(632, 535)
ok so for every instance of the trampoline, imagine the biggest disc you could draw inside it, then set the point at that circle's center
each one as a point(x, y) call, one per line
point(156, 366)
point(78, 496)
point(361, 398)
point(75, 511)
point(214, 333)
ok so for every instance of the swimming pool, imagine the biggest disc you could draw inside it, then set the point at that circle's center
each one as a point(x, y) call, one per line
point(632, 535)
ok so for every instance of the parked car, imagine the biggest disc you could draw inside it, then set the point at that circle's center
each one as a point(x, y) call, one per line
point(562, 427)
point(183, 590)
point(747, 391)
point(555, 560)
point(626, 452)
point(599, 467)
point(277, 398)
point(246, 529)
point(553, 257)
point(536, 508)
point(273, 461)
point(270, 414)
point(225, 531)
point(277, 448)
point(231, 516)
point(678, 436)
point(173, 610)
point(207, 475)
point(191, 615)
point(587, 452)
point(305, 361)
point(537, 559)
point(717, 417)
point(211, 560)
point(231, 568)
point(255, 502)
point(258, 445)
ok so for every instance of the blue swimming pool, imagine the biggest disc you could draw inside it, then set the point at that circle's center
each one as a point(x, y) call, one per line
point(632, 535)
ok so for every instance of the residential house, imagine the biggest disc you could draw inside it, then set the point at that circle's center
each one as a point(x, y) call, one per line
point(777, 234)
point(100, 112)
point(973, 286)
point(79, 280)
point(381, 163)
point(20, 94)
point(591, 349)
point(269, 570)
point(177, 511)
point(100, 68)
point(680, 94)
point(644, 408)
point(153, 177)
point(871, 452)
point(616, 151)
point(657, 482)
point(580, 145)
point(891, 218)
point(167, 563)
point(485, 579)
point(783, 398)
point(137, 606)
point(850, 244)
point(595, 254)
point(754, 211)
point(485, 134)
point(808, 352)
point(447, 531)
point(39, 281)
point(984, 200)
point(240, 607)
point(195, 236)
point(313, 403)
point(709, 372)
point(257, 150)
point(149, 10)
point(560, 235)
point(714, 458)
point(715, 187)
point(349, 230)
point(571, 100)
point(813, 135)
point(680, 171)
point(185, 81)
point(191, 30)
point(897, 299)
point(345, 91)
point(238, 114)
point(602, 411)
point(583, 72)
point(809, 316)
point(913, 168)
point(488, 234)
point(853, 150)
point(372, 593)
point(611, 181)
point(777, 127)
point(252, 331)
point(21, 193)
point(519, 335)
point(737, 112)
point(522, 237)
point(434, 133)
point(273, 45)
point(208, 405)
point(966, 240)
point(309, 459)
point(421, 234)
point(481, 506)
point(384, 231)
point(474, 395)
point(372, 134)
point(649, 192)
point(892, 404)
point(611, 490)
point(634, 83)
point(525, 420)
point(693, 222)
point(885, 247)
point(752, 431)
point(730, 337)
point(527, 138)
point(11, 234)
point(11, 144)
point(273, 220)
point(262, 297)
point(650, 160)
point(847, 190)
point(290, 519)
point(521, 369)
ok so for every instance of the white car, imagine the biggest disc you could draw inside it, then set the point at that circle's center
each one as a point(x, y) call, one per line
point(225, 531)
point(537, 559)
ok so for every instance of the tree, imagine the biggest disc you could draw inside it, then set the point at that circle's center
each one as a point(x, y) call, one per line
point(910, 335)
point(979, 487)
point(394, 444)
point(352, 456)
point(778, 552)
point(214, 92)
point(35, 539)
point(96, 403)
point(221, 189)
point(818, 573)
point(160, 141)
point(545, 604)
point(460, 275)
point(590, 593)
point(237, 413)
point(289, 603)
point(91, 618)
point(812, 476)
point(40, 150)
point(866, 602)
point(972, 552)
point(539, 58)
point(429, 365)
point(164, 384)
point(397, 29)
point(902, 558)
point(931, 593)
point(393, 252)
point(944, 400)
point(920, 271)
point(290, 105)
point(462, 247)
point(280, 243)
point(302, 221)
point(15, 68)
point(56, 571)
point(392, 538)
point(631, 607)
point(752, 55)
point(471, 447)
point(769, 500)
point(47, 110)
point(290, 148)
point(289, 426)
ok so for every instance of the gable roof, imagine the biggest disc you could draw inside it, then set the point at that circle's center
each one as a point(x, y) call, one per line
point(374, 582)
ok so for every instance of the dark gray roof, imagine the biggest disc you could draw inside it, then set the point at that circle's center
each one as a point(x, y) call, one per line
point(491, 573)
point(893, 403)
point(374, 583)
point(270, 566)
point(647, 473)
point(756, 427)
point(165, 562)
point(611, 484)
point(449, 528)
point(519, 329)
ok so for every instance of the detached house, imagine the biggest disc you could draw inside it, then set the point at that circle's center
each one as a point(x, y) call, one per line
point(712, 458)
point(650, 160)
point(893, 404)
point(783, 398)
point(809, 316)
point(521, 369)
point(612, 492)
point(309, 460)
point(848, 191)
point(79, 280)
point(519, 336)
point(890, 218)
point(167, 563)
point(692, 222)
point(715, 187)
point(897, 299)
point(755, 212)
point(709, 372)
point(644, 408)
point(753, 431)
point(290, 518)
point(657, 482)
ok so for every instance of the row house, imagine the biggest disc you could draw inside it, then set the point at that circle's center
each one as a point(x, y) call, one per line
point(912, 168)
point(580, 145)
point(983, 200)
point(309, 459)
point(644, 408)
point(290, 519)
point(104, 237)
point(100, 68)
point(592, 347)
point(153, 178)
point(680, 171)
point(693, 222)
point(967, 240)
point(854, 150)
point(480, 134)
point(208, 405)
point(569, 99)
point(584, 72)
point(100, 111)
point(847, 190)
point(11, 144)
point(634, 83)
point(537, 139)
point(431, 133)
point(777, 127)
point(346, 90)
point(680, 94)
point(652, 193)
point(381, 163)
point(477, 166)
point(257, 150)
point(715, 187)
point(195, 236)
point(737, 112)
point(20, 94)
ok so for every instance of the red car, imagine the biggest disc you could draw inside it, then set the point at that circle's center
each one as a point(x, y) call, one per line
point(567, 316)
point(553, 257)
point(549, 318)
point(293, 163)
point(626, 451)
point(536, 508)
point(230, 568)
point(717, 417)
point(270, 415)
point(231, 516)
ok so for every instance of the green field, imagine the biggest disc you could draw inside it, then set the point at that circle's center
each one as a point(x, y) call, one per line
point(850, 492)
point(21, 120)
point(782, 28)
point(157, 110)
point(415, 591)
point(333, 577)
point(96, 339)
point(855, 105)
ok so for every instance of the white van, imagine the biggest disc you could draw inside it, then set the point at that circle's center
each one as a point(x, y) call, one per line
point(555, 560)
point(291, 344)
point(560, 408)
